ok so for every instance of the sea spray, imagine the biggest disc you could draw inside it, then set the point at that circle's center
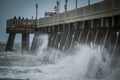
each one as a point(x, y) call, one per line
point(84, 62)
point(42, 42)
point(47, 55)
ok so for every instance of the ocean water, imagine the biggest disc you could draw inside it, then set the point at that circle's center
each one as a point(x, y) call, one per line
point(83, 62)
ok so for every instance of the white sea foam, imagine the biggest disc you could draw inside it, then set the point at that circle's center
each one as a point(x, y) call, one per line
point(86, 62)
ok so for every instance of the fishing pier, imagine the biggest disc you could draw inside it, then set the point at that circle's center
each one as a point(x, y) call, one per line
point(97, 23)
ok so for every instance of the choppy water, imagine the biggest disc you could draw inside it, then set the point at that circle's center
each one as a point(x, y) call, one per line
point(84, 62)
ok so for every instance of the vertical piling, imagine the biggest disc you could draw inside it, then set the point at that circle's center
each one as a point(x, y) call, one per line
point(72, 42)
point(49, 39)
point(62, 41)
point(96, 35)
point(25, 42)
point(59, 35)
point(79, 38)
point(34, 43)
point(10, 42)
point(87, 37)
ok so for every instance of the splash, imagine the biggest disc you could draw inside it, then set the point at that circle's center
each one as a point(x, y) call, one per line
point(84, 62)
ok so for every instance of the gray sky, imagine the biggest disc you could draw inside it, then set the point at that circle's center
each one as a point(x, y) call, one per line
point(26, 8)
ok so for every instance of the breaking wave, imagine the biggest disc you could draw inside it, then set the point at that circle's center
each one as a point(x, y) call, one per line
point(83, 62)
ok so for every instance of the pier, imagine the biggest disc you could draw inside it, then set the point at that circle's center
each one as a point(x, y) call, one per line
point(19, 26)
point(97, 23)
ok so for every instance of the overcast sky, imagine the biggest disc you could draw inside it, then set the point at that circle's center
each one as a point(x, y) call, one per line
point(26, 8)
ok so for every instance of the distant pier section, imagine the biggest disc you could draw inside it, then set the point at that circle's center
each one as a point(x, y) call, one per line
point(22, 26)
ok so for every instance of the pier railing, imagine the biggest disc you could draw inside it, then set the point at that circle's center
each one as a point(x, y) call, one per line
point(13, 23)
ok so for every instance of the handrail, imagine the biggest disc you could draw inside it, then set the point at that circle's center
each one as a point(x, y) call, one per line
point(20, 22)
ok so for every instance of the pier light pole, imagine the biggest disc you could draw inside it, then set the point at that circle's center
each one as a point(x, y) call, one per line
point(88, 2)
point(36, 15)
point(65, 6)
point(76, 4)
point(58, 6)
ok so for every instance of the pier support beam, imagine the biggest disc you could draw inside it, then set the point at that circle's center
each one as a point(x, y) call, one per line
point(34, 43)
point(10, 42)
point(25, 42)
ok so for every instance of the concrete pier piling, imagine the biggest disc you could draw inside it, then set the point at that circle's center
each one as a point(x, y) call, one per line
point(63, 40)
point(10, 42)
point(34, 45)
point(59, 35)
point(25, 42)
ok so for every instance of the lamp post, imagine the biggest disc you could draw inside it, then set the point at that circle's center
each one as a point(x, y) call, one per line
point(36, 15)
point(57, 7)
point(88, 2)
point(65, 6)
point(76, 4)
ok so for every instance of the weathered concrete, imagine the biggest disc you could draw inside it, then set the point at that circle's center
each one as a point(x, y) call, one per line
point(58, 38)
point(10, 42)
point(34, 45)
point(25, 42)
point(63, 40)
point(99, 10)
point(19, 26)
